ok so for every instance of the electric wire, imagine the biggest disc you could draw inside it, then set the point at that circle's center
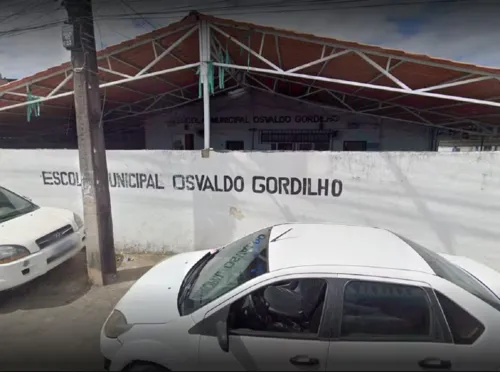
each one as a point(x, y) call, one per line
point(265, 8)
point(27, 9)
point(254, 9)
point(127, 5)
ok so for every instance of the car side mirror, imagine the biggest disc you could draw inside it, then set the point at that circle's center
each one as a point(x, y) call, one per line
point(222, 335)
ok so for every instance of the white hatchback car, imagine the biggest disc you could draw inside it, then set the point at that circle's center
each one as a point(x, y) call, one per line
point(33, 239)
point(309, 297)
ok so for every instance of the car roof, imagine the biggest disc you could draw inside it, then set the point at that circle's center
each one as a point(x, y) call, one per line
point(327, 244)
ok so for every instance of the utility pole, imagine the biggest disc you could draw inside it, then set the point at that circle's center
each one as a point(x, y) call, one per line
point(79, 38)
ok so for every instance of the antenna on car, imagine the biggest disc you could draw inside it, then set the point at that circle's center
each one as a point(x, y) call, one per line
point(279, 236)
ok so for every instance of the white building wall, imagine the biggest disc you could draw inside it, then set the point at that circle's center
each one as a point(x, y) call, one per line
point(449, 202)
point(162, 131)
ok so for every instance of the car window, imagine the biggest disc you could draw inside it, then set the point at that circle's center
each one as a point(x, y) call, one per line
point(464, 327)
point(454, 274)
point(290, 307)
point(228, 268)
point(13, 205)
point(379, 309)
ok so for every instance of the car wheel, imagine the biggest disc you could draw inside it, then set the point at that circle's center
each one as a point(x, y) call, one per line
point(145, 367)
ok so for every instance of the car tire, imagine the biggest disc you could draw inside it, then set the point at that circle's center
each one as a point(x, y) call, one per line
point(145, 367)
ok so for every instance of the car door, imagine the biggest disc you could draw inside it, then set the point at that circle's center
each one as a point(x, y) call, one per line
point(251, 348)
point(385, 324)
point(474, 325)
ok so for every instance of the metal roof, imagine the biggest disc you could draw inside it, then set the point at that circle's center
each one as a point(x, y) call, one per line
point(157, 71)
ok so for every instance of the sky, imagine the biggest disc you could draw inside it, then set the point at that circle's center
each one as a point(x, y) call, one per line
point(463, 30)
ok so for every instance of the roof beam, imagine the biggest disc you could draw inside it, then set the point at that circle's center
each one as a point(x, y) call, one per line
point(321, 60)
point(388, 68)
point(169, 107)
point(244, 47)
point(148, 99)
point(112, 72)
point(323, 51)
point(103, 85)
point(264, 86)
point(454, 84)
point(172, 54)
point(66, 68)
point(380, 104)
point(341, 100)
point(401, 86)
point(131, 65)
point(364, 49)
point(358, 84)
point(383, 71)
point(441, 107)
point(262, 40)
point(61, 85)
point(48, 105)
point(117, 73)
point(278, 53)
point(168, 50)
point(454, 80)
point(133, 90)
point(324, 106)
point(216, 43)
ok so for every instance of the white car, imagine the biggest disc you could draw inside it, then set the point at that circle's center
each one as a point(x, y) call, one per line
point(309, 297)
point(33, 239)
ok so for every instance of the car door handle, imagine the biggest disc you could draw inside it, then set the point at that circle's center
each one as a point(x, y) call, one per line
point(304, 360)
point(434, 363)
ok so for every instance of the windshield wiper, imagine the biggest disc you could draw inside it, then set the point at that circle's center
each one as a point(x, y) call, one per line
point(10, 215)
point(18, 212)
point(282, 234)
point(191, 276)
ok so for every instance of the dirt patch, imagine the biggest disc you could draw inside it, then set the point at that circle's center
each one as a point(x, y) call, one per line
point(53, 323)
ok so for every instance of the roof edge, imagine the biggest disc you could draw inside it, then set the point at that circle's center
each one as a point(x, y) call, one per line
point(194, 16)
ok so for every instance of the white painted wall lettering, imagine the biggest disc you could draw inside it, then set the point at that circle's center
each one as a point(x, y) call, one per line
point(246, 117)
point(177, 201)
point(120, 180)
point(203, 182)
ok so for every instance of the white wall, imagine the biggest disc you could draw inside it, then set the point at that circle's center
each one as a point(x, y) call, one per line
point(163, 130)
point(449, 202)
point(458, 148)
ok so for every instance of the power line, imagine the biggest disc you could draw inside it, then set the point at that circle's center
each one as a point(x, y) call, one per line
point(36, 4)
point(126, 4)
point(255, 9)
point(19, 12)
point(264, 8)
point(21, 30)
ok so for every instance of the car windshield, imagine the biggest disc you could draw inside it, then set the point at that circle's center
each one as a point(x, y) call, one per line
point(13, 205)
point(227, 269)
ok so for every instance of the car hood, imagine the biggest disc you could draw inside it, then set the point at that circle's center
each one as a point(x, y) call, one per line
point(153, 298)
point(24, 229)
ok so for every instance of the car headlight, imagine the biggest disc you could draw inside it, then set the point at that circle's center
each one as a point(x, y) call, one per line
point(116, 325)
point(11, 253)
point(78, 221)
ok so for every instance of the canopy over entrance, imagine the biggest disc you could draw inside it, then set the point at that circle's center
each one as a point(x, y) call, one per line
point(159, 70)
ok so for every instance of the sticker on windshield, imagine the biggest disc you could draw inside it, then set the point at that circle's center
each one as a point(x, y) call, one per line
point(252, 249)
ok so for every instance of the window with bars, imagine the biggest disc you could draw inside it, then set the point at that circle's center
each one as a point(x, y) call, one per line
point(300, 140)
point(308, 146)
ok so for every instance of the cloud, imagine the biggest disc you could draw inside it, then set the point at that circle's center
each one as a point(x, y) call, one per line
point(466, 33)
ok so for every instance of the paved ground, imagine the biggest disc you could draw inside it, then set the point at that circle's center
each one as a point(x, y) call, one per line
point(54, 322)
